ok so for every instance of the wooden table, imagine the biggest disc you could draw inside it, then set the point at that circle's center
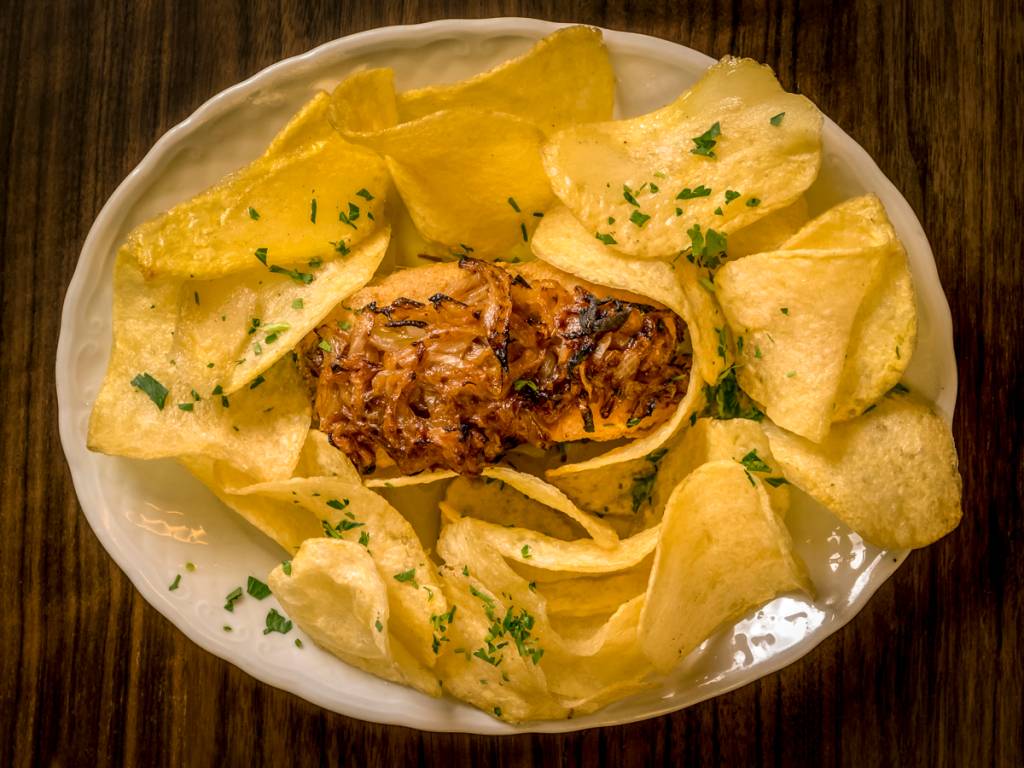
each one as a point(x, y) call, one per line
point(930, 673)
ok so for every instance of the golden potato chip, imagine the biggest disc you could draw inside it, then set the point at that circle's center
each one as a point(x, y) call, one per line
point(722, 552)
point(885, 331)
point(890, 474)
point(321, 459)
point(708, 440)
point(495, 502)
point(471, 179)
point(791, 313)
point(357, 514)
point(594, 595)
point(333, 591)
point(401, 481)
point(292, 205)
point(565, 79)
point(158, 401)
point(732, 149)
point(543, 552)
point(307, 126)
point(770, 232)
point(364, 102)
point(287, 524)
point(238, 326)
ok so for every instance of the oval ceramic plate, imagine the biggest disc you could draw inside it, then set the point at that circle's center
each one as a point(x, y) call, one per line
point(152, 517)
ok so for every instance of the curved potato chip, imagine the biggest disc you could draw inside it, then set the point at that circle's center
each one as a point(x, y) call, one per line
point(885, 331)
point(239, 325)
point(770, 232)
point(157, 400)
point(890, 474)
point(594, 595)
point(551, 497)
point(794, 311)
point(321, 459)
point(543, 552)
point(470, 179)
point(308, 126)
point(641, 184)
point(722, 551)
point(645, 446)
point(495, 502)
point(566, 78)
point(354, 513)
point(708, 440)
point(401, 481)
point(293, 207)
point(364, 102)
point(342, 575)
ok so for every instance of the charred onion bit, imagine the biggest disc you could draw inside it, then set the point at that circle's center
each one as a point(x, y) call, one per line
point(457, 380)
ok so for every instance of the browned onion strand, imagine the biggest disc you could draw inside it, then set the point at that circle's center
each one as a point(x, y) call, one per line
point(456, 380)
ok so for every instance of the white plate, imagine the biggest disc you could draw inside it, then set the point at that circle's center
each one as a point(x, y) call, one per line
point(152, 517)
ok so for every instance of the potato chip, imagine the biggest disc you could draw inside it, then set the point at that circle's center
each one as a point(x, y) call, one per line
point(157, 400)
point(732, 149)
point(307, 126)
point(287, 524)
point(792, 312)
point(708, 440)
point(471, 179)
point(885, 331)
point(566, 78)
point(321, 459)
point(642, 447)
point(364, 102)
point(890, 474)
point(580, 556)
point(722, 552)
point(495, 502)
point(342, 575)
point(238, 326)
point(595, 595)
point(357, 514)
point(770, 232)
point(296, 203)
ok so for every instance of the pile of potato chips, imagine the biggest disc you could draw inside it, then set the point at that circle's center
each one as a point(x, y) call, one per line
point(554, 583)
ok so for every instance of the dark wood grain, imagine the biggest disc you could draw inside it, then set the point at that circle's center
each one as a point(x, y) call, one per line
point(930, 673)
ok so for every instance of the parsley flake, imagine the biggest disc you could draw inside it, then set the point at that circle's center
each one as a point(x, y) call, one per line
point(514, 204)
point(606, 239)
point(232, 597)
point(254, 214)
point(705, 143)
point(776, 120)
point(639, 218)
point(277, 623)
point(156, 391)
point(175, 583)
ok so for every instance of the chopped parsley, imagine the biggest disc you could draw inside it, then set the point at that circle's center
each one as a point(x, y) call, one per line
point(286, 566)
point(378, 625)
point(363, 193)
point(190, 567)
point(514, 204)
point(406, 576)
point(297, 304)
point(299, 277)
point(277, 623)
point(324, 345)
point(639, 218)
point(255, 382)
point(643, 483)
point(775, 482)
point(257, 588)
point(186, 406)
point(232, 597)
point(175, 583)
point(298, 643)
point(705, 143)
point(364, 539)
point(605, 238)
point(730, 195)
point(630, 196)
point(525, 552)
point(336, 531)
point(312, 210)
point(522, 228)
point(725, 399)
point(707, 248)
point(754, 463)
point(338, 505)
point(689, 194)
point(633, 422)
point(254, 214)
point(753, 202)
point(776, 120)
point(156, 391)
point(261, 254)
